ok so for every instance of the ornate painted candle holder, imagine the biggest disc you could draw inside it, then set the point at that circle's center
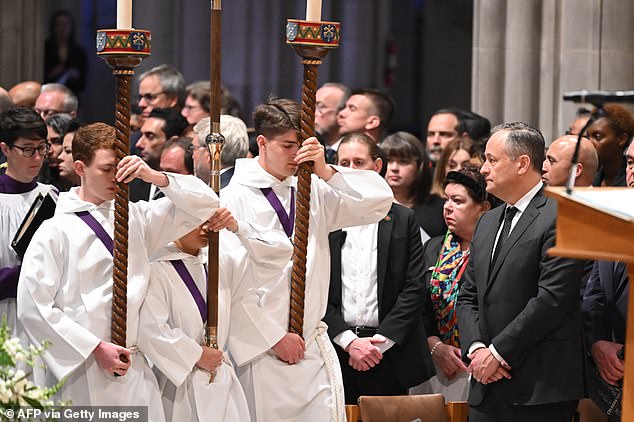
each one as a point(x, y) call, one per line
point(311, 41)
point(123, 50)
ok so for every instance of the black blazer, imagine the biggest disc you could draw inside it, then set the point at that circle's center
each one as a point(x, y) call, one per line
point(225, 177)
point(605, 303)
point(139, 190)
point(527, 306)
point(429, 216)
point(431, 250)
point(400, 294)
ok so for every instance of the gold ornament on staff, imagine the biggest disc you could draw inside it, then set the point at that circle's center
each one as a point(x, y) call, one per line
point(214, 142)
point(123, 50)
point(311, 39)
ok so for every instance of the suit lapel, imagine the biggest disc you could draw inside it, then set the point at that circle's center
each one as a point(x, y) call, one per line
point(383, 250)
point(496, 218)
point(526, 219)
point(337, 239)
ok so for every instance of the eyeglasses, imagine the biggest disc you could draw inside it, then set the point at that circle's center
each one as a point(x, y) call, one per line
point(322, 109)
point(149, 97)
point(48, 112)
point(29, 152)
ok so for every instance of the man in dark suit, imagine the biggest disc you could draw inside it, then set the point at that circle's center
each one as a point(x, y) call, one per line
point(162, 125)
point(605, 315)
point(604, 309)
point(376, 296)
point(518, 309)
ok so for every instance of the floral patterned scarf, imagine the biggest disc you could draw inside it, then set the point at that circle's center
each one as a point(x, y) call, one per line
point(444, 287)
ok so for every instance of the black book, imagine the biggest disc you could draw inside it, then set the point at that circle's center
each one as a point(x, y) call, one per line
point(42, 209)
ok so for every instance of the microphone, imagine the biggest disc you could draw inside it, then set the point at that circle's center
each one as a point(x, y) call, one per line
point(598, 98)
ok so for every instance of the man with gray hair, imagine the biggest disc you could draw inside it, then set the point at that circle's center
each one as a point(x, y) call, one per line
point(55, 99)
point(236, 146)
point(161, 87)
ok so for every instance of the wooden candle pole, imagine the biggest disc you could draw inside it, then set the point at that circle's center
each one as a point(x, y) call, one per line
point(123, 50)
point(214, 142)
point(311, 41)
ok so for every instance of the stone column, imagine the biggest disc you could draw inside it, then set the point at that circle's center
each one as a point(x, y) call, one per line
point(526, 54)
point(21, 41)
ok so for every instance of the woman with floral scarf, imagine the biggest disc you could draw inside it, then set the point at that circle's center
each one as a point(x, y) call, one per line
point(446, 259)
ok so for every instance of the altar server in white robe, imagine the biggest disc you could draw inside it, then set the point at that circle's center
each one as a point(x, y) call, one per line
point(287, 377)
point(65, 291)
point(174, 313)
point(23, 143)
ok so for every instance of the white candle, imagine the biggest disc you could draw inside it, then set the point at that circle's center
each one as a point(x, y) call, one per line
point(313, 10)
point(124, 14)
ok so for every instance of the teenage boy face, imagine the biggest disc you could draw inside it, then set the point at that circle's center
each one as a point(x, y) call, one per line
point(277, 154)
point(97, 179)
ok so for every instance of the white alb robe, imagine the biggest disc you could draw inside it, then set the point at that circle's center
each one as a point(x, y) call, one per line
point(65, 289)
point(311, 390)
point(13, 209)
point(171, 328)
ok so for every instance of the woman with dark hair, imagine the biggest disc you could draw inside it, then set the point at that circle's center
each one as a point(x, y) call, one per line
point(457, 154)
point(64, 59)
point(445, 258)
point(409, 176)
point(56, 127)
point(610, 134)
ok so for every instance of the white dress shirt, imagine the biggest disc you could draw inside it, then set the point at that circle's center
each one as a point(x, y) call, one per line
point(359, 275)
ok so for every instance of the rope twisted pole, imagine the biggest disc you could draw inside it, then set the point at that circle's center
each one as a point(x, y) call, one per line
point(120, 261)
point(123, 50)
point(311, 41)
point(304, 172)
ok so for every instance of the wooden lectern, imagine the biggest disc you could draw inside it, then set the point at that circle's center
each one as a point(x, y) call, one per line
point(598, 224)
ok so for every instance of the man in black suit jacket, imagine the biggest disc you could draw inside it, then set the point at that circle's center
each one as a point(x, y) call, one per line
point(605, 315)
point(400, 294)
point(604, 310)
point(518, 309)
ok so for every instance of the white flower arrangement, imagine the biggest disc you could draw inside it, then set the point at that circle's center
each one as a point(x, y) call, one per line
point(16, 389)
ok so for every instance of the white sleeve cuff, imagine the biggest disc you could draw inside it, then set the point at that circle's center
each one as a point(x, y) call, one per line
point(476, 345)
point(385, 346)
point(344, 338)
point(497, 355)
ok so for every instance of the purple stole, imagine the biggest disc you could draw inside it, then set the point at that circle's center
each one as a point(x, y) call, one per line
point(178, 264)
point(287, 221)
point(187, 278)
point(92, 222)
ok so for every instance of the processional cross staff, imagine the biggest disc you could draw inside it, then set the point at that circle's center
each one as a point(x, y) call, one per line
point(311, 39)
point(214, 142)
point(123, 49)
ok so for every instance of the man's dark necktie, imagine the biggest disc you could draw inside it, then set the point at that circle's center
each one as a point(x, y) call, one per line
point(330, 155)
point(158, 194)
point(509, 213)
